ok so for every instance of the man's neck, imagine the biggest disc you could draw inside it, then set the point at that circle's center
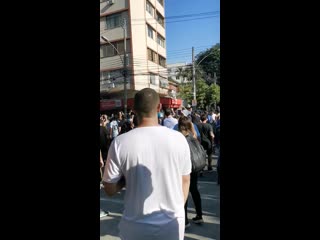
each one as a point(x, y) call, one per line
point(148, 122)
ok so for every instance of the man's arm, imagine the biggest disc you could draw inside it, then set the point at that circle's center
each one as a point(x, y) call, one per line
point(113, 179)
point(111, 130)
point(113, 188)
point(185, 186)
point(211, 135)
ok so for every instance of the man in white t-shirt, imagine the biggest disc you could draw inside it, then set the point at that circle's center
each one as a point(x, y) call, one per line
point(153, 163)
point(169, 121)
point(114, 127)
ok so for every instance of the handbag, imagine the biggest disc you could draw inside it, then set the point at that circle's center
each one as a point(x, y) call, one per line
point(197, 153)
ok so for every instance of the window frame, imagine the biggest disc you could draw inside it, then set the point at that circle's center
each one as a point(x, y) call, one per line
point(149, 6)
point(162, 60)
point(159, 16)
point(150, 28)
point(161, 2)
point(112, 17)
point(159, 37)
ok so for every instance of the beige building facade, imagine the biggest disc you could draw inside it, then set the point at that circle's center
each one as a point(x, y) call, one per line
point(145, 47)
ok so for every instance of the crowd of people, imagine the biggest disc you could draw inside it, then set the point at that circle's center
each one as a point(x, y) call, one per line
point(147, 152)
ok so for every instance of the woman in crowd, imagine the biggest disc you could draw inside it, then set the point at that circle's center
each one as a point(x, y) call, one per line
point(185, 126)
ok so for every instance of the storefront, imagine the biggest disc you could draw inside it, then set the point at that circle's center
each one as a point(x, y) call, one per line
point(117, 104)
point(110, 104)
point(170, 102)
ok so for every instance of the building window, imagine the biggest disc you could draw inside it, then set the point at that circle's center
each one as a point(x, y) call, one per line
point(161, 2)
point(111, 79)
point(103, 51)
point(152, 78)
point(160, 19)
point(120, 47)
point(152, 56)
point(162, 61)
point(113, 21)
point(107, 50)
point(110, 75)
point(163, 82)
point(160, 40)
point(150, 9)
point(150, 31)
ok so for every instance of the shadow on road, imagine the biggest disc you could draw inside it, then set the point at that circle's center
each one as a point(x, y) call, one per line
point(106, 223)
point(205, 230)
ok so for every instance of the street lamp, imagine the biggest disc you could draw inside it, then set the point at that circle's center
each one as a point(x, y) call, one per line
point(124, 61)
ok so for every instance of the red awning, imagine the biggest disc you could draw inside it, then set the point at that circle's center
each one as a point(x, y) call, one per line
point(110, 104)
point(170, 102)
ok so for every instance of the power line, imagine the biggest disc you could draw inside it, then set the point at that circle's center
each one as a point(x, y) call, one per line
point(185, 20)
point(179, 16)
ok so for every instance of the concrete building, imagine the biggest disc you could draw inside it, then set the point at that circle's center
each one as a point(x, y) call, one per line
point(146, 50)
point(173, 70)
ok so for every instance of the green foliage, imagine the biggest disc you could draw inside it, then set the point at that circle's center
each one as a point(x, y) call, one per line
point(208, 62)
point(208, 93)
point(185, 92)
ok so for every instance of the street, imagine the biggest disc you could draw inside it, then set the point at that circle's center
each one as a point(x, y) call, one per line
point(210, 195)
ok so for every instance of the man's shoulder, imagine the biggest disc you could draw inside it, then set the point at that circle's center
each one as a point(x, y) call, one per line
point(170, 133)
point(170, 120)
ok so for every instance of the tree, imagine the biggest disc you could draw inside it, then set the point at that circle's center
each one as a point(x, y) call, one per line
point(185, 92)
point(185, 73)
point(202, 89)
point(213, 95)
point(207, 95)
point(209, 62)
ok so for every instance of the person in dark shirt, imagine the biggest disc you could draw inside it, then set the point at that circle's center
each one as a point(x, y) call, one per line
point(207, 138)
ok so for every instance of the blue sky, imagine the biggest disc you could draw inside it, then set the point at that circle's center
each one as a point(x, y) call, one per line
point(200, 33)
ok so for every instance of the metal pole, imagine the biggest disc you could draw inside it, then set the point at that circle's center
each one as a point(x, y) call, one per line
point(125, 73)
point(194, 79)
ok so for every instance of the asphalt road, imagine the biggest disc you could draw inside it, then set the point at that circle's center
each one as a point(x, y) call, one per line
point(210, 195)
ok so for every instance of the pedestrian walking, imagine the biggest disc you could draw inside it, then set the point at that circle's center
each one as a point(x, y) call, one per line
point(186, 128)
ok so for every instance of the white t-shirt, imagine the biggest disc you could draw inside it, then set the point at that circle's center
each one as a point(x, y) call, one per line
point(213, 117)
point(152, 160)
point(170, 122)
point(115, 128)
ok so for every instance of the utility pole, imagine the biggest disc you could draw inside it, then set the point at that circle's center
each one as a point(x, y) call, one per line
point(194, 104)
point(125, 70)
point(215, 78)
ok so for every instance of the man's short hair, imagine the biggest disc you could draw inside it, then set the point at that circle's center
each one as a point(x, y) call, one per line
point(203, 117)
point(167, 112)
point(146, 102)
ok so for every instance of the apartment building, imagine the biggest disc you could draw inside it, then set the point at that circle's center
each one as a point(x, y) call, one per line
point(143, 23)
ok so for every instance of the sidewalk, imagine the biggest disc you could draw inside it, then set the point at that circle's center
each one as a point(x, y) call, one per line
point(210, 195)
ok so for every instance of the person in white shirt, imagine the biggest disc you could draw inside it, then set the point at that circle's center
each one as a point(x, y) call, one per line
point(169, 121)
point(213, 117)
point(154, 164)
point(115, 128)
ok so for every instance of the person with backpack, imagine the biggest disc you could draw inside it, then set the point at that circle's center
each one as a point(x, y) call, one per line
point(207, 138)
point(185, 126)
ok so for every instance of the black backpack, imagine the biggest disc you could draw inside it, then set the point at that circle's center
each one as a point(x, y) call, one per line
point(197, 153)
